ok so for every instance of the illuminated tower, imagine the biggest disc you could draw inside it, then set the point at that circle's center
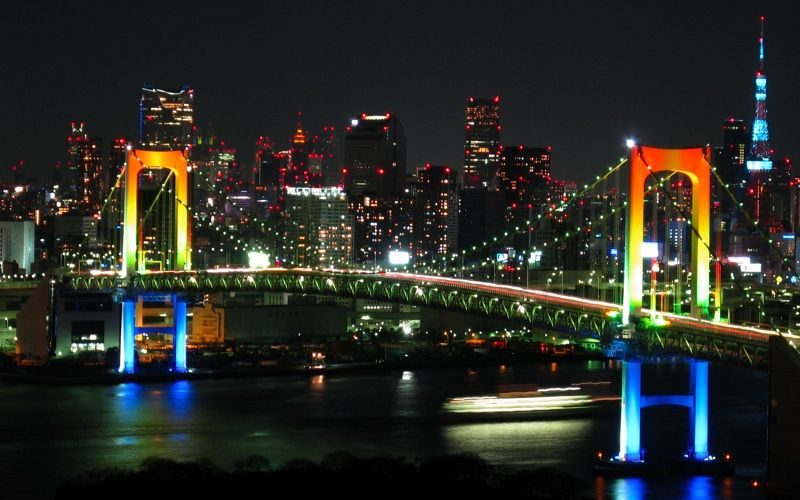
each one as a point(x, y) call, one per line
point(760, 153)
point(299, 173)
point(482, 143)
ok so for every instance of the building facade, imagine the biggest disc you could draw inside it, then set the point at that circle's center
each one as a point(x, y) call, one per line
point(166, 118)
point(482, 143)
point(435, 212)
point(17, 240)
point(375, 156)
point(319, 227)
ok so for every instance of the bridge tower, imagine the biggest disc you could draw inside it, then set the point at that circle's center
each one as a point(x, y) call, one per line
point(133, 258)
point(633, 401)
point(696, 164)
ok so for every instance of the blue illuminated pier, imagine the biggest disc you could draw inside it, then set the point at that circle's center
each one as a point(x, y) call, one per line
point(130, 328)
point(633, 401)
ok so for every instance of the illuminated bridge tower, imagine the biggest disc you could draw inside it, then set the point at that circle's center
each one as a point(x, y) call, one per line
point(694, 163)
point(133, 256)
point(760, 152)
point(633, 401)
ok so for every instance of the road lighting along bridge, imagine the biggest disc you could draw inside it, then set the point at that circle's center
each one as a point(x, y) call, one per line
point(550, 310)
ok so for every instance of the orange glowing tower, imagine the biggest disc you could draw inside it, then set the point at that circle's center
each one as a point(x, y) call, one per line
point(176, 163)
point(694, 163)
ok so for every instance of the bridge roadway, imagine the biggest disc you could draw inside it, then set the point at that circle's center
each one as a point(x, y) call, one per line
point(538, 307)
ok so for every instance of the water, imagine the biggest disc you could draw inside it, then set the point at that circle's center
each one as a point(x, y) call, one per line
point(49, 434)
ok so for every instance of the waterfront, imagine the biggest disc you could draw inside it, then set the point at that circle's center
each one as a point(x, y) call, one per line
point(52, 433)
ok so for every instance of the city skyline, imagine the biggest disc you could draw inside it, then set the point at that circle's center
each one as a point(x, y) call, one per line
point(599, 67)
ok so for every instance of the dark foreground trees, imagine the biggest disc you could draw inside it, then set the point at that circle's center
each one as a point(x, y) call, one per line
point(339, 475)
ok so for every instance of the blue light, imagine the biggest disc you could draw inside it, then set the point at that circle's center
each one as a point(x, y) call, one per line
point(127, 337)
point(633, 402)
point(760, 130)
point(631, 412)
point(179, 320)
point(699, 381)
point(759, 164)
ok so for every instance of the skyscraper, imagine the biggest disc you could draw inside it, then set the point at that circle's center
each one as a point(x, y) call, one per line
point(323, 149)
point(84, 177)
point(299, 173)
point(482, 143)
point(524, 175)
point(265, 170)
point(166, 118)
point(435, 211)
point(319, 227)
point(731, 158)
point(760, 152)
point(374, 156)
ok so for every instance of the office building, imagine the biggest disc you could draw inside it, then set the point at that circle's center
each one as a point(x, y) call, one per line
point(435, 212)
point(166, 118)
point(375, 156)
point(482, 142)
point(319, 227)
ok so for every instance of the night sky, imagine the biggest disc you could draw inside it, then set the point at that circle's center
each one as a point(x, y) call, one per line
point(577, 76)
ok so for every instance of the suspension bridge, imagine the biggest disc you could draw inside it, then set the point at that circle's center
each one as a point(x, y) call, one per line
point(469, 288)
point(664, 325)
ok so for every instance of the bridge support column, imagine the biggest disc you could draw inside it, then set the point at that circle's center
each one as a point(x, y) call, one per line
point(698, 381)
point(633, 401)
point(629, 432)
point(179, 326)
point(127, 361)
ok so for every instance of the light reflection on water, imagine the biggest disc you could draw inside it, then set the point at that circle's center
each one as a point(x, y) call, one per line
point(689, 488)
point(397, 413)
point(507, 442)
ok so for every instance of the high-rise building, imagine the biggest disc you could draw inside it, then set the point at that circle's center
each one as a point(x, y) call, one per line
point(226, 174)
point(482, 143)
point(730, 159)
point(17, 241)
point(435, 211)
point(524, 176)
point(319, 227)
point(299, 173)
point(84, 177)
point(117, 156)
point(482, 213)
point(166, 118)
point(374, 156)
point(323, 156)
point(265, 167)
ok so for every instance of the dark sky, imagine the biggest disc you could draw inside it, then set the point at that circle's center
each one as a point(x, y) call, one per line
point(578, 76)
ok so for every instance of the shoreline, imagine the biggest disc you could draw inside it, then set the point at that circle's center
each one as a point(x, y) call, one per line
point(53, 377)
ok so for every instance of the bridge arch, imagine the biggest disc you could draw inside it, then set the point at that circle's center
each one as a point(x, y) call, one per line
point(696, 164)
point(174, 161)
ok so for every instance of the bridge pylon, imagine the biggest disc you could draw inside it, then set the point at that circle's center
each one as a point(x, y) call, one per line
point(633, 401)
point(133, 247)
point(132, 325)
point(133, 258)
point(696, 164)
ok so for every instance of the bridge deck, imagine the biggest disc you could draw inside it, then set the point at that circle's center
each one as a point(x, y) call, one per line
point(508, 301)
